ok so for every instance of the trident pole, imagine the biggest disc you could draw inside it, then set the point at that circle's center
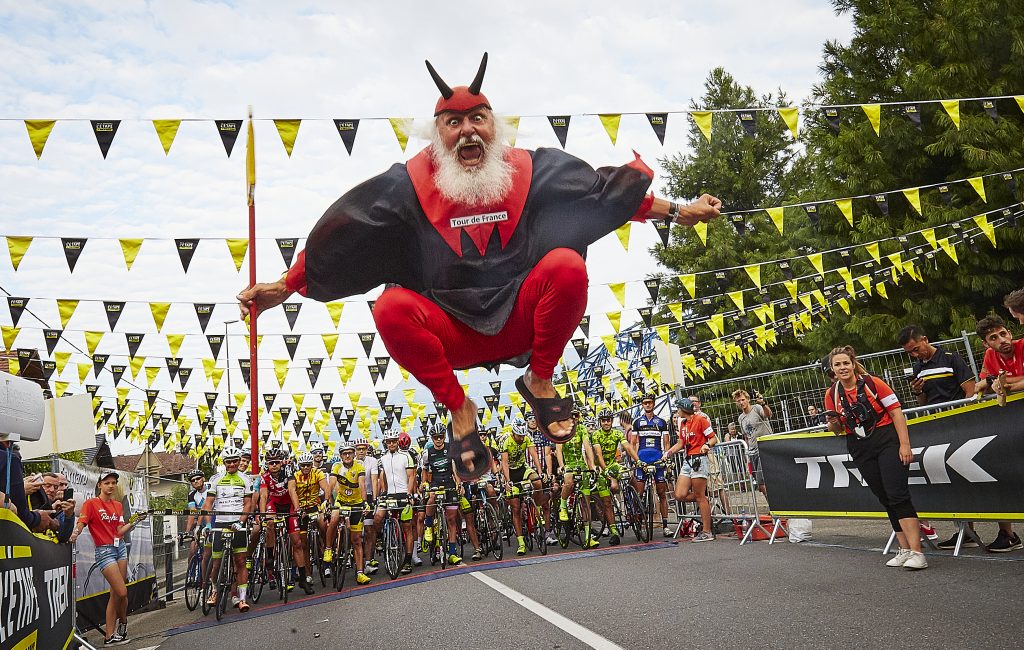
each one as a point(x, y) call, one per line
point(254, 420)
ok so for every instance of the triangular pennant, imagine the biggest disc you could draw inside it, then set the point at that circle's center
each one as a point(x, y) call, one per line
point(952, 107)
point(183, 375)
point(929, 236)
point(703, 121)
point(151, 373)
point(622, 232)
point(345, 370)
point(289, 130)
point(117, 371)
point(159, 311)
point(134, 341)
point(777, 216)
point(831, 114)
point(72, 250)
point(17, 307)
point(51, 337)
point(846, 207)
point(646, 315)
point(17, 246)
point(716, 323)
point(791, 287)
point(173, 363)
point(98, 362)
point(619, 291)
point(165, 131)
point(130, 250)
point(701, 227)
point(291, 313)
point(614, 317)
point(658, 122)
point(874, 113)
point(66, 308)
point(330, 342)
point(228, 131)
point(105, 130)
point(186, 249)
point(978, 184)
point(315, 366)
point(754, 271)
point(335, 309)
point(816, 261)
point(791, 117)
point(914, 198)
point(872, 250)
point(882, 203)
point(204, 310)
point(677, 311)
point(737, 299)
point(38, 134)
point(367, 339)
point(610, 122)
point(580, 345)
point(912, 113)
point(347, 130)
point(653, 286)
point(560, 125)
point(987, 228)
point(61, 358)
point(291, 343)
point(512, 122)
point(949, 248)
point(663, 227)
point(689, 282)
point(287, 248)
point(749, 122)
point(280, 371)
point(92, 341)
point(1011, 183)
point(215, 341)
point(401, 127)
point(237, 247)
point(174, 342)
point(136, 365)
point(990, 109)
point(585, 326)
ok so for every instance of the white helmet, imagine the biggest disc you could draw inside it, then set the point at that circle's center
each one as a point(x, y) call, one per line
point(305, 459)
point(346, 446)
point(316, 448)
point(230, 453)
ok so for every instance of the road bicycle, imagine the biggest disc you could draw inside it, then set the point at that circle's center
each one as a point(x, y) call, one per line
point(391, 537)
point(488, 525)
point(577, 529)
point(344, 559)
point(196, 569)
point(533, 528)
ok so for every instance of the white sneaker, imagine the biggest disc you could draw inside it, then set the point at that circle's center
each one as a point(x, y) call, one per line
point(666, 531)
point(915, 561)
point(416, 561)
point(901, 557)
point(235, 600)
point(551, 539)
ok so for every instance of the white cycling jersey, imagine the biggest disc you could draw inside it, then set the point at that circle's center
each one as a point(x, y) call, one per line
point(395, 467)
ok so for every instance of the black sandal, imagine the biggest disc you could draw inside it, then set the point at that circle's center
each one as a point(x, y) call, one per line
point(547, 411)
point(471, 458)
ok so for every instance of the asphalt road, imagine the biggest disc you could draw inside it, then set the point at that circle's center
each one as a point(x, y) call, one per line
point(717, 594)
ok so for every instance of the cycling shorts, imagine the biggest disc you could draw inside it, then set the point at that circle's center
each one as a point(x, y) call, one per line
point(582, 477)
point(520, 474)
point(219, 537)
point(650, 456)
point(285, 509)
point(602, 485)
point(354, 516)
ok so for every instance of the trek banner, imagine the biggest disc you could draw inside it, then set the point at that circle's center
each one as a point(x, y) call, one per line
point(35, 588)
point(966, 466)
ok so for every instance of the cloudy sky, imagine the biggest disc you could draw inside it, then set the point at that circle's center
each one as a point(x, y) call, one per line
point(201, 61)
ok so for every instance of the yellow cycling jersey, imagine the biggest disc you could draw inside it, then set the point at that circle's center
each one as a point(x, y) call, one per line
point(517, 452)
point(308, 488)
point(349, 481)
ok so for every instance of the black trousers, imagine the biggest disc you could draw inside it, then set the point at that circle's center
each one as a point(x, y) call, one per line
point(878, 459)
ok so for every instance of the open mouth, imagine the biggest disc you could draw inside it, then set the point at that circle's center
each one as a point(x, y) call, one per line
point(471, 152)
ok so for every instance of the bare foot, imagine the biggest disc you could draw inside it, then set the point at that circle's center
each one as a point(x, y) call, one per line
point(463, 424)
point(544, 388)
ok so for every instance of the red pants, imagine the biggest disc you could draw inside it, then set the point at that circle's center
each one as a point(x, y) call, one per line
point(428, 342)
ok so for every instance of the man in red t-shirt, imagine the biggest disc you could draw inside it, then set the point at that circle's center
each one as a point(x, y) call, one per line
point(1002, 373)
point(696, 438)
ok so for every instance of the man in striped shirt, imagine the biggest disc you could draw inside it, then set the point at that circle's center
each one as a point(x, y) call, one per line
point(936, 375)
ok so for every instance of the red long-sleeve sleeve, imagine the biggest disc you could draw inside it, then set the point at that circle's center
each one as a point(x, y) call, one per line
point(295, 279)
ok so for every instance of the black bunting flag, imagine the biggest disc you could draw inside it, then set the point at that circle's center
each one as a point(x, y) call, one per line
point(433, 418)
point(173, 363)
point(904, 244)
point(946, 194)
point(367, 339)
point(491, 401)
point(812, 214)
point(846, 258)
point(347, 130)
point(350, 414)
point(636, 336)
point(337, 412)
point(51, 337)
point(722, 279)
point(291, 343)
point(314, 370)
point(228, 130)
point(382, 363)
point(186, 249)
point(327, 398)
point(912, 113)
point(287, 248)
point(374, 370)
point(663, 226)
point(134, 341)
point(370, 304)
point(382, 396)
point(658, 122)
point(739, 221)
point(98, 361)
point(580, 345)
point(72, 250)
point(211, 399)
point(245, 365)
point(151, 396)
point(653, 286)
point(105, 131)
point(1011, 184)
point(560, 125)
point(231, 410)
point(268, 399)
point(990, 108)
point(285, 411)
point(204, 310)
point(183, 375)
point(832, 117)
point(748, 122)
point(117, 371)
point(291, 313)
point(215, 341)
point(114, 311)
point(495, 387)
point(585, 326)
point(882, 203)
point(645, 315)
point(17, 307)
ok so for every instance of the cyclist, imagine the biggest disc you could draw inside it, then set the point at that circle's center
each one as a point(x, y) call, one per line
point(438, 471)
point(348, 486)
point(372, 489)
point(405, 444)
point(397, 475)
point(650, 439)
point(696, 438)
point(319, 456)
point(306, 485)
point(196, 500)
point(229, 493)
point(518, 445)
point(472, 491)
point(545, 454)
point(574, 456)
point(607, 441)
point(276, 498)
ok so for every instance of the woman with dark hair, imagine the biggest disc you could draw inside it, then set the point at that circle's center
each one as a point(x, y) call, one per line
point(867, 411)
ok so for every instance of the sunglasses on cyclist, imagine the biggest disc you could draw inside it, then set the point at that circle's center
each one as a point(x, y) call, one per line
point(441, 437)
point(305, 464)
point(273, 462)
point(605, 419)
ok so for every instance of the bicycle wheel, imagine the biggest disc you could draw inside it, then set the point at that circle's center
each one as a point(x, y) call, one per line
point(635, 513)
point(565, 528)
point(581, 516)
point(342, 559)
point(528, 524)
point(649, 509)
point(224, 583)
point(392, 547)
point(539, 535)
point(194, 581)
point(258, 574)
point(488, 514)
point(208, 590)
point(283, 562)
point(441, 538)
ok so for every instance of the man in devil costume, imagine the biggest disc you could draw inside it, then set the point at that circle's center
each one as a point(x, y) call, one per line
point(481, 247)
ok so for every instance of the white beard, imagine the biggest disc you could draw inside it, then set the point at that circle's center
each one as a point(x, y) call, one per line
point(485, 184)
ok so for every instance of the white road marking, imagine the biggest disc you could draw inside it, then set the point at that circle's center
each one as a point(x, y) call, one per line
point(591, 638)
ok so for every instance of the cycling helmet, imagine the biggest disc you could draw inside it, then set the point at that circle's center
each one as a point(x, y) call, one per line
point(438, 430)
point(646, 396)
point(391, 435)
point(317, 448)
point(590, 422)
point(404, 441)
point(519, 428)
point(346, 446)
point(276, 454)
point(231, 453)
point(305, 459)
point(685, 404)
point(194, 474)
point(362, 443)
point(605, 413)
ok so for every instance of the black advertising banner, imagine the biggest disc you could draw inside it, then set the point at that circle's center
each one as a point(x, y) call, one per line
point(37, 583)
point(966, 466)
point(658, 122)
point(105, 131)
point(347, 130)
point(228, 130)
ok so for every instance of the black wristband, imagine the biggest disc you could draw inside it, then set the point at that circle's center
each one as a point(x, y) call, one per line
point(673, 210)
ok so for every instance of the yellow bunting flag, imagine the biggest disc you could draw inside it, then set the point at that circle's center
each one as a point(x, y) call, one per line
point(166, 130)
point(289, 130)
point(354, 397)
point(952, 107)
point(208, 367)
point(614, 317)
point(914, 198)
point(130, 250)
point(701, 227)
point(777, 216)
point(151, 373)
point(61, 359)
point(677, 311)
point(335, 309)
point(754, 272)
point(846, 207)
point(929, 236)
point(689, 281)
point(330, 342)
point(874, 113)
point(402, 126)
point(622, 232)
point(619, 291)
point(405, 373)
point(60, 387)
point(949, 248)
point(9, 335)
point(979, 186)
point(880, 290)
point(845, 304)
point(716, 323)
point(609, 343)
point(410, 395)
point(347, 367)
point(66, 309)
point(159, 310)
point(298, 399)
point(703, 121)
point(872, 250)
point(38, 133)
point(986, 227)
point(815, 260)
point(737, 299)
point(92, 340)
point(791, 117)
point(805, 300)
point(896, 259)
point(662, 331)
point(83, 371)
point(17, 247)
point(280, 371)
point(1020, 101)
point(512, 122)
point(237, 247)
point(136, 365)
point(610, 122)
point(820, 297)
point(791, 287)
point(174, 342)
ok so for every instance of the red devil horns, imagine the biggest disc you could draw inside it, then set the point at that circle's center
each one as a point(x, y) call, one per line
point(460, 98)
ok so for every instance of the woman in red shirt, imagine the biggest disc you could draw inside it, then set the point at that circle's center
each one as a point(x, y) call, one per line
point(696, 438)
point(867, 411)
point(104, 516)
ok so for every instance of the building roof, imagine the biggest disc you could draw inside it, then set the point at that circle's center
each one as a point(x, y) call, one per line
point(169, 464)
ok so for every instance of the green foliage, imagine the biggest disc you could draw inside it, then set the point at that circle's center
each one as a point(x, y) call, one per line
point(40, 466)
point(902, 50)
point(177, 500)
